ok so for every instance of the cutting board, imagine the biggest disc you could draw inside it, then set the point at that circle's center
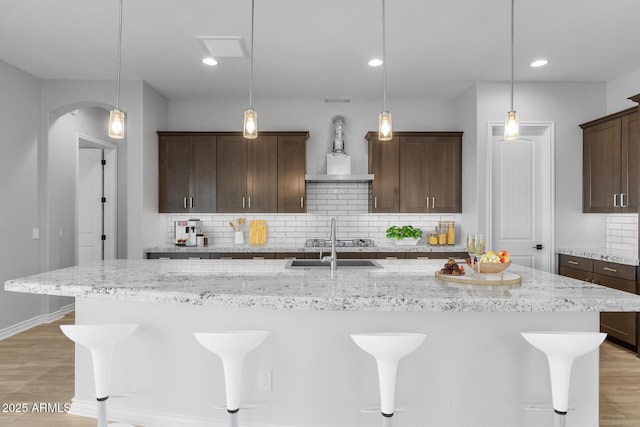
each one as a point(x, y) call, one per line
point(257, 232)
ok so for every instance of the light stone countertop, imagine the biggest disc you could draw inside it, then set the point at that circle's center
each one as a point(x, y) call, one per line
point(421, 247)
point(401, 285)
point(602, 254)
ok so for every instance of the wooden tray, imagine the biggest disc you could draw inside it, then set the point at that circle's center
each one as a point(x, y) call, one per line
point(503, 278)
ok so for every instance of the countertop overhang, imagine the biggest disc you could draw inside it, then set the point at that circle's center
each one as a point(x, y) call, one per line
point(401, 285)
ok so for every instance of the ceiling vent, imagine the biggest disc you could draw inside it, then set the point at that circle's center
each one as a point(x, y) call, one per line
point(224, 46)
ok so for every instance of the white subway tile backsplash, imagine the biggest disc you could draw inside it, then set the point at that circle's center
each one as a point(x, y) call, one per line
point(621, 232)
point(347, 202)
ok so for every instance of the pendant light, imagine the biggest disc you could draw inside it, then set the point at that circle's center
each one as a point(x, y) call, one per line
point(512, 122)
point(250, 127)
point(116, 117)
point(385, 129)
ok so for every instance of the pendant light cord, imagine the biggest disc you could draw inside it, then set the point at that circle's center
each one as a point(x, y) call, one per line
point(384, 61)
point(512, 1)
point(119, 58)
point(251, 59)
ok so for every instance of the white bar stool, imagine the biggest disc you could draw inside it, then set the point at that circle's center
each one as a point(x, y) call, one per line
point(561, 349)
point(100, 340)
point(388, 349)
point(232, 346)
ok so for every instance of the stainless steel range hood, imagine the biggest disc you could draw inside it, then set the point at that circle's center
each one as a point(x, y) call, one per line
point(339, 178)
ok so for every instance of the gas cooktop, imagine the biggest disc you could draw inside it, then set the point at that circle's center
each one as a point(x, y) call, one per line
point(351, 243)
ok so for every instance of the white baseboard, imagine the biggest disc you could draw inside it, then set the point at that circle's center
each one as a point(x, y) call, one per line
point(35, 321)
point(88, 408)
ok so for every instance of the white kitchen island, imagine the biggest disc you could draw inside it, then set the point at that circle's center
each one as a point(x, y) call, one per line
point(473, 369)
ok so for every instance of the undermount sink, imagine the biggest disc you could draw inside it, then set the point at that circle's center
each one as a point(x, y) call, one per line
point(342, 263)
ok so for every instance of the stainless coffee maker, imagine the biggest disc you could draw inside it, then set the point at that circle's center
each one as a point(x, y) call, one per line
point(186, 232)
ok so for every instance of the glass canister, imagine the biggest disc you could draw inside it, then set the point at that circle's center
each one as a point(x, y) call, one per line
point(442, 233)
point(432, 238)
point(451, 232)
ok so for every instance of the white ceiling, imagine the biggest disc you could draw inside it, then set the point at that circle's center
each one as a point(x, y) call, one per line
point(319, 49)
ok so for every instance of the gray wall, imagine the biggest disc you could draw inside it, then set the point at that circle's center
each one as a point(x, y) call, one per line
point(19, 253)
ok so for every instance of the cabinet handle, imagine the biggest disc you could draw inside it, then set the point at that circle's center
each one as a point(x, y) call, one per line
point(573, 262)
point(243, 202)
point(249, 202)
point(613, 270)
point(622, 203)
point(615, 201)
point(433, 203)
point(426, 200)
point(184, 202)
point(375, 203)
point(301, 202)
point(191, 202)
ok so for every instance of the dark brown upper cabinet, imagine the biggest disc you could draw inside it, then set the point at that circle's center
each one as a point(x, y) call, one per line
point(247, 174)
point(610, 163)
point(187, 173)
point(384, 164)
point(419, 172)
point(292, 167)
point(223, 172)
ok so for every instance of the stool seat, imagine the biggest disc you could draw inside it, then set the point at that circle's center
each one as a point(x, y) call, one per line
point(561, 349)
point(388, 348)
point(101, 340)
point(232, 346)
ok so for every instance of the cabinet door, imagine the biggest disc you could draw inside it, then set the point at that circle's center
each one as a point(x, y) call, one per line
point(384, 161)
point(413, 174)
point(231, 174)
point(618, 325)
point(292, 166)
point(601, 166)
point(630, 134)
point(444, 159)
point(262, 174)
point(203, 176)
point(174, 173)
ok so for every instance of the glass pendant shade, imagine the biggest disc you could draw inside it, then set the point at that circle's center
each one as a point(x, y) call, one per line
point(250, 128)
point(116, 124)
point(511, 126)
point(385, 129)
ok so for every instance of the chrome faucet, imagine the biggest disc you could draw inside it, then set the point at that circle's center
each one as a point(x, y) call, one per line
point(333, 258)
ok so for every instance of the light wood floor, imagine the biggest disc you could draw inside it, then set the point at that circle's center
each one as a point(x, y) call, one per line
point(37, 367)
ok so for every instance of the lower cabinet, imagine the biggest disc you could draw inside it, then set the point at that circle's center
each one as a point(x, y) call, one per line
point(622, 328)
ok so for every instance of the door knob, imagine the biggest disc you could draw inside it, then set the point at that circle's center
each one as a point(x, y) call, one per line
point(538, 247)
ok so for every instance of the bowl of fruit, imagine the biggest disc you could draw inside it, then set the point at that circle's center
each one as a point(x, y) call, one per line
point(492, 262)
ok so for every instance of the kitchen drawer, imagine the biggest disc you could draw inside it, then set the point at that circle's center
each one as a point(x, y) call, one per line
point(437, 255)
point(575, 262)
point(291, 255)
point(620, 325)
point(614, 283)
point(243, 255)
point(574, 273)
point(621, 271)
point(390, 255)
point(178, 255)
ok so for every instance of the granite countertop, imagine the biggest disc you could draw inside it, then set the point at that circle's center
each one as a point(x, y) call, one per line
point(421, 247)
point(401, 285)
point(602, 254)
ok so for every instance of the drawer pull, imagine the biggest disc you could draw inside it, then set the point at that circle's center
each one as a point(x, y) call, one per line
point(613, 270)
point(573, 262)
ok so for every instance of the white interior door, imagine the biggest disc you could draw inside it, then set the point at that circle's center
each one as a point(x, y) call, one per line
point(521, 192)
point(90, 215)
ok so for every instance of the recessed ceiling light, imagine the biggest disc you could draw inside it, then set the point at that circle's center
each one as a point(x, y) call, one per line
point(375, 62)
point(209, 61)
point(539, 63)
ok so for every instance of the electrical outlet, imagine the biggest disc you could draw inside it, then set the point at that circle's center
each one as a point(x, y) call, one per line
point(35, 233)
point(264, 380)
